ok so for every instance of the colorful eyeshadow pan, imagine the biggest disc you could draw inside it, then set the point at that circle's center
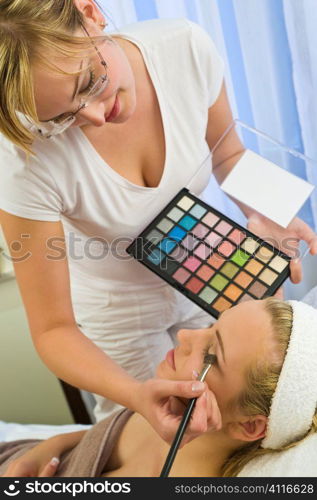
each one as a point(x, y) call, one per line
point(243, 279)
point(194, 285)
point(219, 282)
point(213, 239)
point(240, 258)
point(222, 304)
point(200, 231)
point(210, 219)
point(165, 225)
point(237, 236)
point(192, 263)
point(250, 245)
point(167, 245)
point(177, 233)
point(188, 222)
point(205, 272)
point(230, 270)
point(176, 214)
point(226, 248)
point(154, 236)
point(185, 203)
point(208, 295)
point(198, 211)
point(179, 254)
point(202, 251)
point(264, 254)
point(254, 267)
point(208, 257)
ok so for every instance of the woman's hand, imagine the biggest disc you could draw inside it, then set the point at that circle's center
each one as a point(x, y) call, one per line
point(287, 240)
point(158, 404)
point(37, 462)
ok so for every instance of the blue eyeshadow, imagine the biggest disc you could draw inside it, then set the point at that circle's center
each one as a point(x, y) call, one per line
point(198, 211)
point(177, 233)
point(167, 245)
point(188, 222)
point(155, 257)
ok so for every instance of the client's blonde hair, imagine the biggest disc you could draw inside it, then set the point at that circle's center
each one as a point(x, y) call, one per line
point(28, 29)
point(261, 383)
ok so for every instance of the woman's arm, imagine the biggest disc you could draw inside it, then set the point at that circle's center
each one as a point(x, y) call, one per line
point(43, 459)
point(45, 288)
point(43, 279)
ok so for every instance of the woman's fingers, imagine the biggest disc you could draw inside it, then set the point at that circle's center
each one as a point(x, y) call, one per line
point(296, 271)
point(50, 469)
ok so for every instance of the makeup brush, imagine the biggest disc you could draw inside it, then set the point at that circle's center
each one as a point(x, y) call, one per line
point(209, 360)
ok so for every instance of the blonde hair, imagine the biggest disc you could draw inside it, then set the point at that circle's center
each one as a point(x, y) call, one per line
point(28, 29)
point(261, 381)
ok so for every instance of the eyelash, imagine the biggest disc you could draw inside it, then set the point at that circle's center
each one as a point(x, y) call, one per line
point(91, 81)
point(206, 351)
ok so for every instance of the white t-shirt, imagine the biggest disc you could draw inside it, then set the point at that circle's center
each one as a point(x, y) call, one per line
point(101, 211)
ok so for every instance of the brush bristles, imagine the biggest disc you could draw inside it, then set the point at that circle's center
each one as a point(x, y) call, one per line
point(210, 359)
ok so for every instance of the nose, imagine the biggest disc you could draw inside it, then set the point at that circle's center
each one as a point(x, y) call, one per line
point(93, 113)
point(184, 339)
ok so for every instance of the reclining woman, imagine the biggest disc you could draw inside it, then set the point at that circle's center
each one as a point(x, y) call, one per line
point(262, 402)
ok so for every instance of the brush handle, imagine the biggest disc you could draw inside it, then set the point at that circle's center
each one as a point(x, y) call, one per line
point(178, 437)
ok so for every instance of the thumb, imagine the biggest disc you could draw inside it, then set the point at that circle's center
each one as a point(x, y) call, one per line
point(184, 389)
point(50, 469)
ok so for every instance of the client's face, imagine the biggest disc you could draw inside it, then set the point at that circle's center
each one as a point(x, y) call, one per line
point(240, 337)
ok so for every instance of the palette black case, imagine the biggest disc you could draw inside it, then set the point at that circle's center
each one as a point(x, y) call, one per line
point(141, 248)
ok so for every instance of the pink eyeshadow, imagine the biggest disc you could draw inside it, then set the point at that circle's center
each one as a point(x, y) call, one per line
point(223, 228)
point(194, 285)
point(181, 275)
point(192, 263)
point(237, 236)
point(213, 239)
point(226, 248)
point(210, 219)
point(203, 251)
point(200, 231)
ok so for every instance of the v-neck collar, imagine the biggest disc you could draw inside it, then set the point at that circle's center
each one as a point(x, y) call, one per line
point(118, 178)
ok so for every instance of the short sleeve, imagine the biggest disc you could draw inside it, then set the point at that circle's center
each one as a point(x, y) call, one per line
point(27, 188)
point(209, 60)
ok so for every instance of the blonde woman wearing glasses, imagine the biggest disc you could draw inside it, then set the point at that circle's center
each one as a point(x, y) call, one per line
point(98, 133)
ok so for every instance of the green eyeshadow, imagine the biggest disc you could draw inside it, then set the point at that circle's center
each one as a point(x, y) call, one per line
point(240, 257)
point(219, 282)
point(208, 295)
point(230, 270)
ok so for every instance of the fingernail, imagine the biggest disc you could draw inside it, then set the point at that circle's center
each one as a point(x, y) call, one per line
point(198, 386)
point(296, 261)
point(54, 461)
point(195, 373)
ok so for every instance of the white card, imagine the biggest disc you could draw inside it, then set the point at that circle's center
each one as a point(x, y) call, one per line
point(267, 188)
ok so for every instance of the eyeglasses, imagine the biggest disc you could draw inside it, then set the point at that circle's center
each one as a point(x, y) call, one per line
point(60, 124)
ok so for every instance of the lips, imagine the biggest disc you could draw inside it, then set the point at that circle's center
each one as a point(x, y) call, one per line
point(170, 359)
point(115, 110)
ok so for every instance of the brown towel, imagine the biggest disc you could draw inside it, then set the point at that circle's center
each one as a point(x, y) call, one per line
point(88, 459)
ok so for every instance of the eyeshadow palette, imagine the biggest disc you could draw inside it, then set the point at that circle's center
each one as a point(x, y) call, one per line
point(208, 257)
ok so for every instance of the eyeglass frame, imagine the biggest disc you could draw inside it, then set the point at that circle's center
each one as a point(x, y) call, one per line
point(60, 126)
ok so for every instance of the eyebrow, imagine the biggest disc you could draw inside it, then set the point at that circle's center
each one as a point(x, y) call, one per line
point(73, 95)
point(221, 344)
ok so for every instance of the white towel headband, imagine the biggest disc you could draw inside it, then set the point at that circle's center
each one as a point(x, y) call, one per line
point(295, 399)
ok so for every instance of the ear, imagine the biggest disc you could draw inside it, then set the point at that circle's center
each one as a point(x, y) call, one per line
point(248, 428)
point(89, 10)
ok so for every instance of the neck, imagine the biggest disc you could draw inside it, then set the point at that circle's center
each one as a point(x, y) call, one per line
point(145, 456)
